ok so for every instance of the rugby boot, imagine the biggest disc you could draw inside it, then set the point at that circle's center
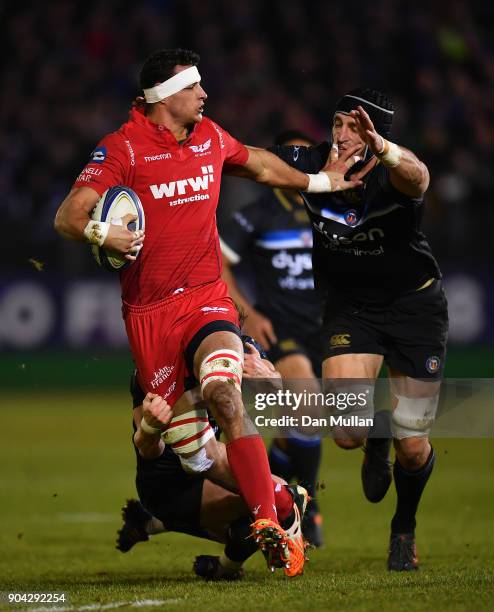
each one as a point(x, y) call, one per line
point(210, 568)
point(135, 517)
point(296, 542)
point(272, 541)
point(376, 468)
point(402, 554)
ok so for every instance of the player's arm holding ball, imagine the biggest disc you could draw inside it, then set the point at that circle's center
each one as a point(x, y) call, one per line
point(73, 221)
point(108, 166)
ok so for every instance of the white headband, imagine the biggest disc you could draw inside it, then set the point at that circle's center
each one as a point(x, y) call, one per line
point(173, 85)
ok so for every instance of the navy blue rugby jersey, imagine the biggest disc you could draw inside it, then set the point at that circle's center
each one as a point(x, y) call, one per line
point(368, 243)
point(274, 235)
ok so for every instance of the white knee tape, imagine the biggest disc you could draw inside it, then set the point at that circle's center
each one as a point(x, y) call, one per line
point(224, 365)
point(413, 417)
point(188, 432)
point(197, 463)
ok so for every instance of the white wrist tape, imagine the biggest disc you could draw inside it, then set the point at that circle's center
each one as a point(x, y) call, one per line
point(391, 154)
point(96, 232)
point(173, 85)
point(148, 429)
point(319, 183)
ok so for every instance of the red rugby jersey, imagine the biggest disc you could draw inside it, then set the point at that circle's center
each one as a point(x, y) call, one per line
point(179, 187)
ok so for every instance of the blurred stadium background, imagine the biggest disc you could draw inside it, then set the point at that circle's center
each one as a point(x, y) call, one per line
point(69, 77)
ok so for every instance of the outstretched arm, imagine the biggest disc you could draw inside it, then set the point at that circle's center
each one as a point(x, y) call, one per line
point(406, 172)
point(265, 167)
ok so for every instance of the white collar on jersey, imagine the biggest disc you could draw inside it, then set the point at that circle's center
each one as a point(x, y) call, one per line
point(173, 85)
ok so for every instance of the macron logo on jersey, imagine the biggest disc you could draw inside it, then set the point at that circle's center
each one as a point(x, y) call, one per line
point(184, 186)
point(159, 157)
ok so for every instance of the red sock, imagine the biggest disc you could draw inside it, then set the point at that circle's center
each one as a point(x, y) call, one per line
point(250, 467)
point(283, 501)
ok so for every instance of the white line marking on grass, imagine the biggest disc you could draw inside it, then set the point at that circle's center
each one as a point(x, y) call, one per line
point(115, 604)
point(51, 609)
point(155, 602)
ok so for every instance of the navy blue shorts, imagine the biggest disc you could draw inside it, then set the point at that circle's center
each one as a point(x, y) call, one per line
point(410, 331)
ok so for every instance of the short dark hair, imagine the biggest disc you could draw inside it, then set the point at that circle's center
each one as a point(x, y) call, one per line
point(159, 66)
point(288, 135)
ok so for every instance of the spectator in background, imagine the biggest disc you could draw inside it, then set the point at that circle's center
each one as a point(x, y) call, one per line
point(258, 64)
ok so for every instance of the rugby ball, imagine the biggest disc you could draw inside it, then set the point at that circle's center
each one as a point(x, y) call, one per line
point(114, 204)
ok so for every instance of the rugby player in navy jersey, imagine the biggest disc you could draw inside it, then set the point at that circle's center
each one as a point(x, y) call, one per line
point(273, 236)
point(385, 301)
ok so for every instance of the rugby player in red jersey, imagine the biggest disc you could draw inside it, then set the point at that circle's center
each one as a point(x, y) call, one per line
point(177, 312)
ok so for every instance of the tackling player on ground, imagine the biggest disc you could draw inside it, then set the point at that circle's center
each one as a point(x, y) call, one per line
point(195, 493)
point(178, 315)
point(385, 301)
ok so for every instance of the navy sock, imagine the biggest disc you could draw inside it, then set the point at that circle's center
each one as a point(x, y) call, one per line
point(380, 432)
point(305, 455)
point(409, 488)
point(280, 462)
point(239, 545)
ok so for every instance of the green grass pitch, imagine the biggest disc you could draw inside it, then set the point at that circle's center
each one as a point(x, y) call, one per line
point(67, 466)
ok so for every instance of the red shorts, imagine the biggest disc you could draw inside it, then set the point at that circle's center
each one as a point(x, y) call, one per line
point(160, 334)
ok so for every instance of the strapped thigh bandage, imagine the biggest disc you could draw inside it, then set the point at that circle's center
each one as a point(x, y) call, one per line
point(224, 365)
point(188, 432)
point(414, 416)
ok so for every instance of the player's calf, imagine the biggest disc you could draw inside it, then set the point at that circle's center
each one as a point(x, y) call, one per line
point(225, 403)
point(412, 453)
point(220, 375)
